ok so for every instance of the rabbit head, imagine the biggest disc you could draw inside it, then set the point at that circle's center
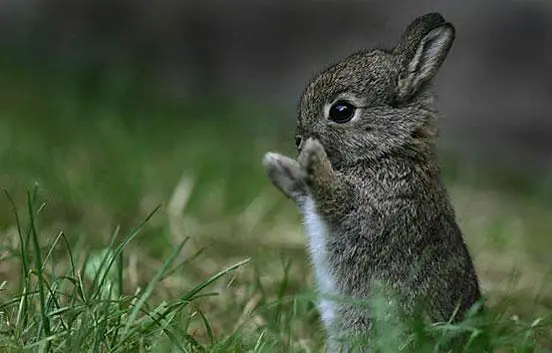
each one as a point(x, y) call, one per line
point(376, 103)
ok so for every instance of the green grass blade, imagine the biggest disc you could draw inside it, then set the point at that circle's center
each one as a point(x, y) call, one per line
point(39, 269)
point(118, 250)
point(149, 289)
point(22, 313)
point(189, 296)
point(97, 284)
point(51, 249)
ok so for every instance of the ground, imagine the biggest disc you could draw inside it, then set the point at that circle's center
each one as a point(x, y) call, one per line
point(82, 166)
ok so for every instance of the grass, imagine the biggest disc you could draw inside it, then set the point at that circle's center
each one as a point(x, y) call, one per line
point(81, 304)
point(150, 226)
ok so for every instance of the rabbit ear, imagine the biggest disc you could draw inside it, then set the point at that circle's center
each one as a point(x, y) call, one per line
point(421, 51)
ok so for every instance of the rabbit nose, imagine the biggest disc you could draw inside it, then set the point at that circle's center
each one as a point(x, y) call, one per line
point(298, 142)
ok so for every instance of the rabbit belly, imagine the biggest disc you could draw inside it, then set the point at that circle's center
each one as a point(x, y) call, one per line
point(317, 232)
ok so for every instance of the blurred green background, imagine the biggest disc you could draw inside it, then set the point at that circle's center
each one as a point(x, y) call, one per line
point(106, 142)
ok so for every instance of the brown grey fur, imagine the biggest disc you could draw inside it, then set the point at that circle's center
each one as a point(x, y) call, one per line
point(376, 182)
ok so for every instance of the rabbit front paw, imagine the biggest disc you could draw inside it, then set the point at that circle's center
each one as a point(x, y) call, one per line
point(314, 161)
point(286, 174)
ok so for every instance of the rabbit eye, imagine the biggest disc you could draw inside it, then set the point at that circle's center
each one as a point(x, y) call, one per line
point(341, 112)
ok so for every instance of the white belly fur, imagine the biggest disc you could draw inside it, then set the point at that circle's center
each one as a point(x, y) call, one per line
point(317, 232)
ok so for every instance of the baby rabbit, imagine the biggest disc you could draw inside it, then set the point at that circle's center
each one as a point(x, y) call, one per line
point(368, 185)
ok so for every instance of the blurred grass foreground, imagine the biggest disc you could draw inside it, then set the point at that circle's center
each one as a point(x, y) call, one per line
point(133, 220)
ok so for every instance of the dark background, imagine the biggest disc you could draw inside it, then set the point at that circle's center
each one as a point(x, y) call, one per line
point(112, 108)
point(494, 90)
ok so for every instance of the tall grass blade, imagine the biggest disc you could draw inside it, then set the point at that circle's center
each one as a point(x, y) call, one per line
point(118, 250)
point(39, 268)
point(150, 288)
point(22, 317)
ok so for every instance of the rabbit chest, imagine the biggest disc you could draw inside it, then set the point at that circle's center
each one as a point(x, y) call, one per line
point(317, 233)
